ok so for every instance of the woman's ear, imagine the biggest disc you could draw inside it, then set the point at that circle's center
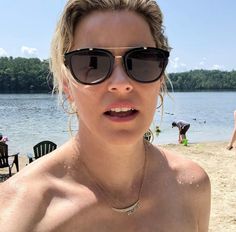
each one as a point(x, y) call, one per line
point(163, 82)
point(162, 79)
point(67, 91)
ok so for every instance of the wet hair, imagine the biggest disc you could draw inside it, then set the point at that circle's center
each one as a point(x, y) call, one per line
point(174, 124)
point(75, 10)
point(0, 136)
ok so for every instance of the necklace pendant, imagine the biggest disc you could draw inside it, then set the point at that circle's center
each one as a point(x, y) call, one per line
point(129, 210)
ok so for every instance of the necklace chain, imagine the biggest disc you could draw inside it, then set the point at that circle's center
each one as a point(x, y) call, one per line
point(128, 209)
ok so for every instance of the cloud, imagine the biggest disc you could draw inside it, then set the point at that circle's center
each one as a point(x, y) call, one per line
point(3, 52)
point(175, 62)
point(177, 65)
point(217, 67)
point(183, 65)
point(202, 63)
point(29, 52)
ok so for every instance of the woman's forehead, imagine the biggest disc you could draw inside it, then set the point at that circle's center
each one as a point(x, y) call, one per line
point(112, 29)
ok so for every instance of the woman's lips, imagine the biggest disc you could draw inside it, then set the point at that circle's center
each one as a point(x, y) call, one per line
point(120, 106)
point(121, 114)
point(121, 111)
point(122, 118)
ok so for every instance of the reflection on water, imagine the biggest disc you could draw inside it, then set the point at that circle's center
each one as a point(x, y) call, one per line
point(29, 118)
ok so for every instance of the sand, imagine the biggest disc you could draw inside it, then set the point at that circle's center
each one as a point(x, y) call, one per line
point(220, 164)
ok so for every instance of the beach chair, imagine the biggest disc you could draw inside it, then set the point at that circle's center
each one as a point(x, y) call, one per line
point(8, 161)
point(41, 149)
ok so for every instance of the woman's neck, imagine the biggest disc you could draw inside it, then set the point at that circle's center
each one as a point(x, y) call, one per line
point(115, 167)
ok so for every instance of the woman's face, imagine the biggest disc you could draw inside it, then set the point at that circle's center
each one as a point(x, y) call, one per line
point(98, 105)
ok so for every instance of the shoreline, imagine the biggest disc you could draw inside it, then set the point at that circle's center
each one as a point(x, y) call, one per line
point(220, 165)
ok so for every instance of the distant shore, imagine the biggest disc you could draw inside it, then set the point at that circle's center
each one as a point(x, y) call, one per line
point(220, 164)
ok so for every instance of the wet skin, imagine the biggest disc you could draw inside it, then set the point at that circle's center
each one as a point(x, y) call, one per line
point(56, 194)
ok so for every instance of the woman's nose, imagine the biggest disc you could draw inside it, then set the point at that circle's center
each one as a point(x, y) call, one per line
point(119, 80)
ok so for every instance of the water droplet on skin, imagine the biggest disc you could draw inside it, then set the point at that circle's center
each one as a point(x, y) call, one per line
point(180, 182)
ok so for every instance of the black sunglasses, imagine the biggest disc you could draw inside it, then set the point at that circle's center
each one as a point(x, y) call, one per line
point(92, 66)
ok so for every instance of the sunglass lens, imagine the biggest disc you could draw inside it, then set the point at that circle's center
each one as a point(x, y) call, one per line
point(146, 65)
point(90, 67)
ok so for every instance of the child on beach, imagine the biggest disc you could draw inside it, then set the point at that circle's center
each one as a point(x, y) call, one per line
point(109, 59)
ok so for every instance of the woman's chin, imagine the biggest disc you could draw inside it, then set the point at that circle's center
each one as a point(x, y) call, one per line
point(124, 138)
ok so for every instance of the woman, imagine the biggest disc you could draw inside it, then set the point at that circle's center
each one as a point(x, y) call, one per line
point(233, 137)
point(108, 58)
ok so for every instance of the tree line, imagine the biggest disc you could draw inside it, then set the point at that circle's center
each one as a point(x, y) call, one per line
point(31, 75)
point(24, 75)
point(203, 80)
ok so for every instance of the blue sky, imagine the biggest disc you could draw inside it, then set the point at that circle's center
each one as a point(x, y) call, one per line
point(202, 33)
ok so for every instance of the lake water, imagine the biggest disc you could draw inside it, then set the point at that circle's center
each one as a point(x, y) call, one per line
point(29, 118)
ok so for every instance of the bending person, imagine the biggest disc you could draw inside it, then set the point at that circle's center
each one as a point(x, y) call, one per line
point(183, 128)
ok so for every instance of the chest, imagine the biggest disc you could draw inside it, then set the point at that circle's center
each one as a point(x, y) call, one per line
point(100, 218)
point(164, 207)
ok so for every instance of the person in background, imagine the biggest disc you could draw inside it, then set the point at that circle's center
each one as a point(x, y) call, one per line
point(183, 128)
point(109, 59)
point(3, 139)
point(157, 130)
point(233, 137)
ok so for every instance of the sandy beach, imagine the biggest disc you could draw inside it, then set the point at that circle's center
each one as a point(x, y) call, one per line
point(220, 164)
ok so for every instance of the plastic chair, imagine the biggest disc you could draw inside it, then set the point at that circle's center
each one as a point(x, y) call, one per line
point(41, 149)
point(8, 160)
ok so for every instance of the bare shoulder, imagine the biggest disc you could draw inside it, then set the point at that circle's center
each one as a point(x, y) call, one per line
point(31, 198)
point(21, 200)
point(193, 184)
point(186, 170)
point(25, 196)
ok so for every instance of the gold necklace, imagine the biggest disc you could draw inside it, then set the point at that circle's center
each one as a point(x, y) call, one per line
point(128, 209)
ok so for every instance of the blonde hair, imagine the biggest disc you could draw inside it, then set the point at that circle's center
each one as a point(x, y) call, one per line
point(76, 9)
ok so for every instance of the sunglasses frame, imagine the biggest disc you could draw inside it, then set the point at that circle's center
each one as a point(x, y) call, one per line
point(124, 57)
